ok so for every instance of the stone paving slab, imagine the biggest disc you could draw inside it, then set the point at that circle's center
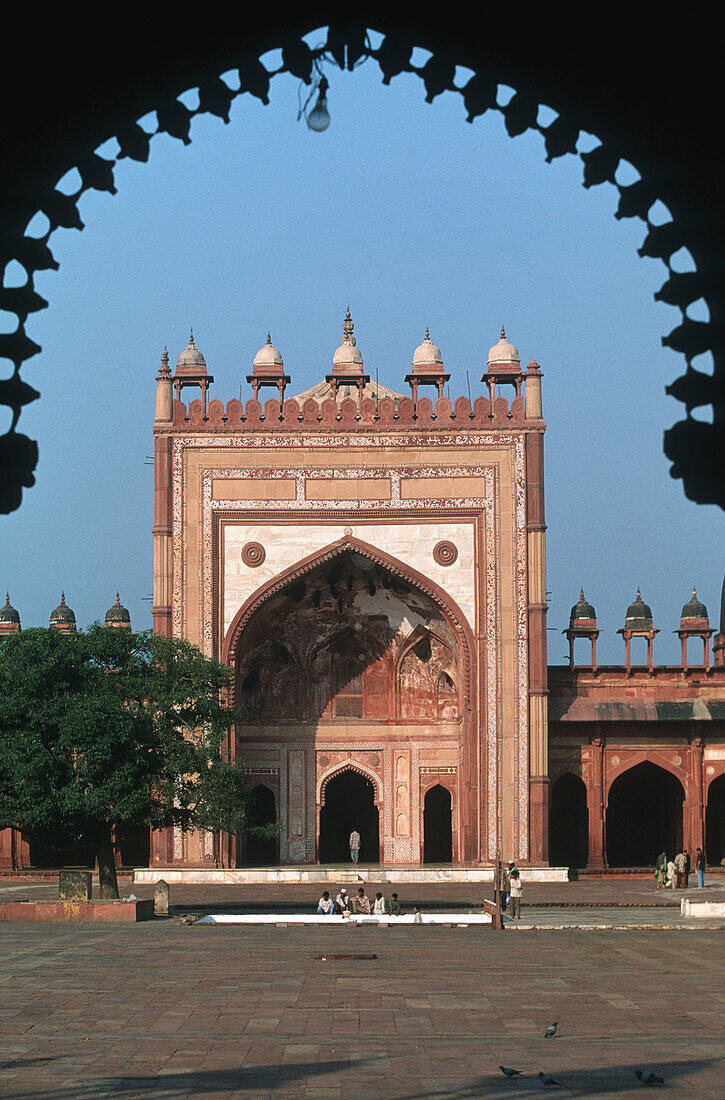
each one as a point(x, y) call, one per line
point(168, 1010)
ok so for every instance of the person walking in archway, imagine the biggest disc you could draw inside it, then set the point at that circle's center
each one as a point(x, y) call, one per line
point(354, 843)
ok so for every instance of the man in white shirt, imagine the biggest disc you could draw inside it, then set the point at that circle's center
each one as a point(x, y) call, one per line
point(354, 845)
point(342, 901)
point(379, 906)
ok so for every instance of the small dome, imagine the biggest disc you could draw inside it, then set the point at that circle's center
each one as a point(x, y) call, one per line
point(639, 615)
point(62, 613)
point(694, 609)
point(8, 614)
point(191, 361)
point(503, 351)
point(582, 610)
point(118, 613)
point(348, 354)
point(427, 354)
point(268, 356)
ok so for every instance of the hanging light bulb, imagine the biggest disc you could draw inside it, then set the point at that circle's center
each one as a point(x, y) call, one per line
point(319, 117)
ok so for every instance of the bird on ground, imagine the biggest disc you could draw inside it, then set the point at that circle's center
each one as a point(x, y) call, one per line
point(551, 1030)
point(508, 1072)
point(647, 1077)
point(547, 1080)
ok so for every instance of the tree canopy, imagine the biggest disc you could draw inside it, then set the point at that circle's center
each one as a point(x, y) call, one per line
point(107, 728)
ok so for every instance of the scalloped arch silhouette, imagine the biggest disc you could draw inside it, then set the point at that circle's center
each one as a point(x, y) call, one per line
point(349, 766)
point(686, 443)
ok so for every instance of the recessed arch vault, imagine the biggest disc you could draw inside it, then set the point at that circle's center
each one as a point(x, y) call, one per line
point(350, 544)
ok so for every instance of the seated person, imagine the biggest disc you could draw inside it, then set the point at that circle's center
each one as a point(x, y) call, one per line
point(325, 904)
point(379, 906)
point(362, 902)
point(396, 909)
point(342, 901)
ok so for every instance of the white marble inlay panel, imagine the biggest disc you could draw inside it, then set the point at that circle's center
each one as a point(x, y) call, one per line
point(286, 544)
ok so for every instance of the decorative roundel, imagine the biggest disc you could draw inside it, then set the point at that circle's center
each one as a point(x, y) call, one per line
point(615, 760)
point(445, 553)
point(677, 761)
point(253, 554)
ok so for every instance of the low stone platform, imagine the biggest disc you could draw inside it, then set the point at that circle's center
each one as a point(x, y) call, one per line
point(94, 912)
point(215, 876)
point(459, 920)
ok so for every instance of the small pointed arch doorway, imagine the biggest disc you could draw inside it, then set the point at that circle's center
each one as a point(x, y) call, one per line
point(261, 851)
point(348, 802)
point(644, 816)
point(715, 822)
point(438, 825)
point(568, 822)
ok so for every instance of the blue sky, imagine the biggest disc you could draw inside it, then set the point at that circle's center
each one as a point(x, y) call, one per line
point(415, 218)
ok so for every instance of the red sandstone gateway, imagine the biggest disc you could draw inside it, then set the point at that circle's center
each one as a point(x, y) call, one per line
point(373, 567)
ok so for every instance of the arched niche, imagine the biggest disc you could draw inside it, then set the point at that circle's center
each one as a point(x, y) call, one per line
point(568, 822)
point(438, 825)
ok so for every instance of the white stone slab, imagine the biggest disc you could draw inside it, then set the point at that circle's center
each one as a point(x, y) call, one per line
point(702, 909)
point(458, 919)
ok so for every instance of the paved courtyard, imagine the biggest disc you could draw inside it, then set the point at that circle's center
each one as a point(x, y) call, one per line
point(170, 1009)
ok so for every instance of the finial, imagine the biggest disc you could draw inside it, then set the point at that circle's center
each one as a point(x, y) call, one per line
point(581, 594)
point(639, 594)
point(503, 333)
point(62, 599)
point(694, 593)
point(7, 599)
point(427, 334)
point(165, 355)
point(191, 337)
point(269, 339)
point(347, 328)
point(118, 599)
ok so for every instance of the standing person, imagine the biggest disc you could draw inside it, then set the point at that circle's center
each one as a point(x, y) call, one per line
point(515, 888)
point(354, 843)
point(671, 874)
point(700, 866)
point(680, 869)
point(688, 868)
point(396, 909)
point(661, 870)
point(417, 916)
point(506, 899)
point(325, 905)
point(362, 901)
point(379, 906)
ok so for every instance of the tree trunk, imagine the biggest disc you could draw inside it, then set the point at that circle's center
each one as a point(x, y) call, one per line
point(106, 866)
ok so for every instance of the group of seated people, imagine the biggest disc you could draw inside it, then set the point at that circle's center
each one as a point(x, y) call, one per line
point(345, 905)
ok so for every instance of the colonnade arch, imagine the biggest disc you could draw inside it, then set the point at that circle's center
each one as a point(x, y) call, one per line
point(348, 802)
point(644, 816)
point(715, 822)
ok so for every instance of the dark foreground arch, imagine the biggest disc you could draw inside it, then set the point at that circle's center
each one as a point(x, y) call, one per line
point(550, 65)
point(644, 816)
point(261, 851)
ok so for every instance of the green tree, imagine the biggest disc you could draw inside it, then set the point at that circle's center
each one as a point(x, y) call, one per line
point(107, 728)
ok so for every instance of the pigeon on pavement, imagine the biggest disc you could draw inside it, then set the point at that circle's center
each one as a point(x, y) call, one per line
point(647, 1077)
point(507, 1072)
point(549, 1081)
point(551, 1030)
